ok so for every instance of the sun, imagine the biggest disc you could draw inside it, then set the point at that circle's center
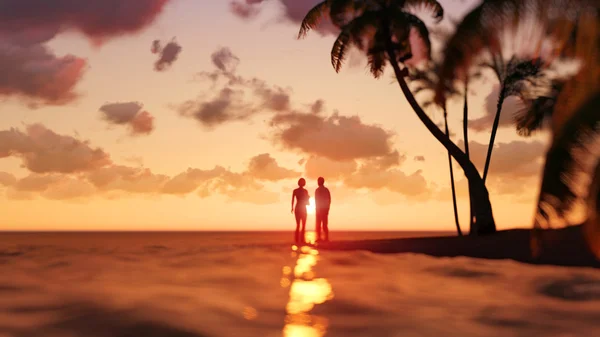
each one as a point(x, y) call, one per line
point(310, 208)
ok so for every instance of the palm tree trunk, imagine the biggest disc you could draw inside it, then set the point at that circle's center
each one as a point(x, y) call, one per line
point(452, 176)
point(484, 218)
point(591, 228)
point(488, 159)
point(466, 137)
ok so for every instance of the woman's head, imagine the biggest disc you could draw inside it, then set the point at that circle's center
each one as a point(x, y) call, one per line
point(321, 181)
point(301, 182)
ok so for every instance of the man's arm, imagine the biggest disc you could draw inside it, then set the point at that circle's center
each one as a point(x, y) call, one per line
point(328, 198)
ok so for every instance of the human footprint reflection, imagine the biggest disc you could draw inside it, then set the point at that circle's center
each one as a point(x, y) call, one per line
point(306, 291)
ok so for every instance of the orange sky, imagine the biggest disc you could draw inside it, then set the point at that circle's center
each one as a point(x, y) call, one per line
point(195, 165)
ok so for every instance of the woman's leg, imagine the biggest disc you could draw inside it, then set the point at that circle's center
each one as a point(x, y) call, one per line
point(304, 227)
point(297, 236)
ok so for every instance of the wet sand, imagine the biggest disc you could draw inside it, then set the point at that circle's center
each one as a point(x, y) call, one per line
point(562, 247)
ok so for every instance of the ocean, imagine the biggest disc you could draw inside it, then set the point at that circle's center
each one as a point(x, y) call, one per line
point(195, 284)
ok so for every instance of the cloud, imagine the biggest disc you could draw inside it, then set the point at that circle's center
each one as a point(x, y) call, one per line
point(335, 137)
point(97, 19)
point(512, 159)
point(34, 73)
point(31, 71)
point(227, 106)
point(419, 158)
point(243, 10)
point(394, 180)
point(265, 167)
point(51, 186)
point(293, 11)
point(63, 167)
point(7, 179)
point(237, 98)
point(190, 180)
point(331, 170)
point(515, 166)
point(127, 179)
point(130, 114)
point(510, 106)
point(44, 151)
point(225, 60)
point(167, 54)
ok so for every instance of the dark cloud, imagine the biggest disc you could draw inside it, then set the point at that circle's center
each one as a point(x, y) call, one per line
point(335, 137)
point(225, 60)
point(129, 114)
point(419, 158)
point(44, 151)
point(31, 71)
point(227, 106)
point(237, 98)
point(167, 54)
point(293, 11)
point(265, 167)
point(97, 19)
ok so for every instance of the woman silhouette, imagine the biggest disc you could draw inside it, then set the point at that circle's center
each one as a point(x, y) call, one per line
point(302, 200)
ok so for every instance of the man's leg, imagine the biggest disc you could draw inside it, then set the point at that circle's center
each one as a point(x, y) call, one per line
point(325, 217)
point(318, 224)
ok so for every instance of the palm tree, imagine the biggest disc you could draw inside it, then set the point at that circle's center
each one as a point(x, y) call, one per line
point(482, 30)
point(564, 164)
point(381, 28)
point(426, 80)
point(571, 105)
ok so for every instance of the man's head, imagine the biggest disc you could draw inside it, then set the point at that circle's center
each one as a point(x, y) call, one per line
point(301, 182)
point(321, 181)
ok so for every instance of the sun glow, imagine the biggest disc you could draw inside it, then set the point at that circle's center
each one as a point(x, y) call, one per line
point(310, 208)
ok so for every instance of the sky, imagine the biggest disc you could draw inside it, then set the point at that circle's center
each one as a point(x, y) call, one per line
point(203, 114)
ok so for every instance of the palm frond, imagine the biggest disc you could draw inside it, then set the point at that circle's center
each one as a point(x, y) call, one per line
point(481, 29)
point(432, 5)
point(562, 163)
point(530, 119)
point(351, 33)
point(377, 63)
point(339, 49)
point(313, 18)
point(343, 11)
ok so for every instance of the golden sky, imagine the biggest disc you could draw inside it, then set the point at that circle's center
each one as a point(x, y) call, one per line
point(96, 134)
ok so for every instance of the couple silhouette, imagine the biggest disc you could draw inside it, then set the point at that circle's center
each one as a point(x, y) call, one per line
point(322, 204)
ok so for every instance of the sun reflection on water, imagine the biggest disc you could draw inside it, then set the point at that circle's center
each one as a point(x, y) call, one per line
point(306, 291)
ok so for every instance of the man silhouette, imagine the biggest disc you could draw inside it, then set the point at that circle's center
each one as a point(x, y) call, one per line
point(322, 204)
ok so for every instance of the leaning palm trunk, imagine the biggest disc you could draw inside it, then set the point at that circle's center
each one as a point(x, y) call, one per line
point(466, 137)
point(452, 176)
point(488, 158)
point(483, 217)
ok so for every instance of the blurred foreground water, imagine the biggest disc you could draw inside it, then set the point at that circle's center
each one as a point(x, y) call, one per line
point(258, 284)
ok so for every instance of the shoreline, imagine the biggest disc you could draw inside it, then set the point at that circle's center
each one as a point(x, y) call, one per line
point(562, 247)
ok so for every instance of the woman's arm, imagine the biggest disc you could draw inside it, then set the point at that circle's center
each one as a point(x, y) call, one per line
point(293, 195)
